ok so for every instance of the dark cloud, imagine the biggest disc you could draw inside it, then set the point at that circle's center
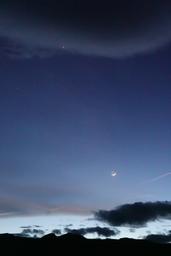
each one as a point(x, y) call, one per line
point(101, 231)
point(30, 226)
point(136, 214)
point(159, 238)
point(69, 225)
point(105, 28)
point(27, 231)
point(25, 227)
point(32, 232)
point(37, 231)
point(56, 231)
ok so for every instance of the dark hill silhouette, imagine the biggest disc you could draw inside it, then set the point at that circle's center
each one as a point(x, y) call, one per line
point(73, 244)
point(71, 237)
point(49, 237)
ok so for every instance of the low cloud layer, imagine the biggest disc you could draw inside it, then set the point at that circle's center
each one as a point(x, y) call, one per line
point(32, 232)
point(137, 214)
point(56, 231)
point(159, 238)
point(104, 28)
point(100, 231)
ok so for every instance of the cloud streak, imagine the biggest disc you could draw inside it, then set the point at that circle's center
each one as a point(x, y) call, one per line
point(19, 200)
point(103, 28)
point(137, 214)
point(160, 176)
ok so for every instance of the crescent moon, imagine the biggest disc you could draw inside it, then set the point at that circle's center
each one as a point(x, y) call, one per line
point(114, 173)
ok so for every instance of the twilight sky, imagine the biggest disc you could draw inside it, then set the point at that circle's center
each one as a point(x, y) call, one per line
point(85, 88)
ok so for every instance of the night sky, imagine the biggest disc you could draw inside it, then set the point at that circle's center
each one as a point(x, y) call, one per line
point(85, 89)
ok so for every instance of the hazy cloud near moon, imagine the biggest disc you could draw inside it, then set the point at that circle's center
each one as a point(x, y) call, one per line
point(104, 28)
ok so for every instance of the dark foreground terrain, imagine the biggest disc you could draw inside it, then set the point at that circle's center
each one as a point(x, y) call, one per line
point(70, 244)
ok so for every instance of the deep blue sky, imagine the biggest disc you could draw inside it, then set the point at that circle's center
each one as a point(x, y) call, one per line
point(68, 120)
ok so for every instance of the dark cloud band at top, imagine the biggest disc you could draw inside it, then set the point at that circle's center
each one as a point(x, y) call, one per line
point(105, 28)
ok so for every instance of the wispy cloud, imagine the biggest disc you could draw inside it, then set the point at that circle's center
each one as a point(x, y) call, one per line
point(160, 177)
point(20, 200)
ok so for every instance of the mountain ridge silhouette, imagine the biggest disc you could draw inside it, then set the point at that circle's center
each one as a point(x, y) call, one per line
point(75, 244)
